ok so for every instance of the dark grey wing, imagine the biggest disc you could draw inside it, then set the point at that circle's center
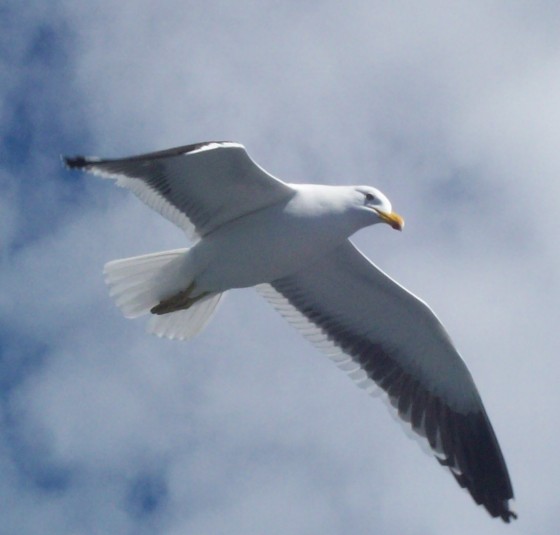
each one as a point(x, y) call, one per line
point(386, 338)
point(198, 187)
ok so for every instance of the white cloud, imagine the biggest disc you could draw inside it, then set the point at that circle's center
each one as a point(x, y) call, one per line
point(451, 110)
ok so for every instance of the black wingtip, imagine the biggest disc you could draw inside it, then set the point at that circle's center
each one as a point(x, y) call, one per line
point(508, 515)
point(75, 162)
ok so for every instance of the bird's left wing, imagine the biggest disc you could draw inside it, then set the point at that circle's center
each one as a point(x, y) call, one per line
point(198, 187)
point(386, 338)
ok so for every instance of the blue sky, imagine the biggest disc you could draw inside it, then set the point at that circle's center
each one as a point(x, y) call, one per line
point(451, 109)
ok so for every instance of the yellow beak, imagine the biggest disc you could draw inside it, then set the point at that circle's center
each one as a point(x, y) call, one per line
point(395, 220)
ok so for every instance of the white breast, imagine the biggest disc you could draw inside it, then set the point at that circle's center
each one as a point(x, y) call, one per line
point(270, 243)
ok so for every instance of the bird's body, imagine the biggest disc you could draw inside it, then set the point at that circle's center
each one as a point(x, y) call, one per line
point(291, 241)
point(221, 260)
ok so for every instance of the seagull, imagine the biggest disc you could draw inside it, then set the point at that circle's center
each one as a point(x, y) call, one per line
point(291, 241)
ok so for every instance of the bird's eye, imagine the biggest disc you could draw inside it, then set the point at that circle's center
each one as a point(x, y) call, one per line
point(370, 197)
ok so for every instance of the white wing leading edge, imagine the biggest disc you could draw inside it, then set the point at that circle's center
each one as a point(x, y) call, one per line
point(385, 338)
point(198, 187)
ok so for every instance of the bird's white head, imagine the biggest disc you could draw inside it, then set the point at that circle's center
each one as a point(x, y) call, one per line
point(376, 207)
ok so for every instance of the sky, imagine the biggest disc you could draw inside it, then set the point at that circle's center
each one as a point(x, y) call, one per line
point(452, 109)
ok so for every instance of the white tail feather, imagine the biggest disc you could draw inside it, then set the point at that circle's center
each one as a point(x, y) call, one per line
point(139, 283)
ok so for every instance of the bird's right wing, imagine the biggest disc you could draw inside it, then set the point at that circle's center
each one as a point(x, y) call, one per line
point(385, 338)
point(198, 187)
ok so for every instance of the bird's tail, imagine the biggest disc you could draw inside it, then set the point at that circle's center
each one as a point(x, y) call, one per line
point(140, 283)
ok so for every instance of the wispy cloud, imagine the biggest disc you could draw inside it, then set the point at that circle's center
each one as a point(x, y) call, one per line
point(451, 110)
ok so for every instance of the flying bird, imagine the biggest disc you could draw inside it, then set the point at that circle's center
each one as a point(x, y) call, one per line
point(291, 241)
